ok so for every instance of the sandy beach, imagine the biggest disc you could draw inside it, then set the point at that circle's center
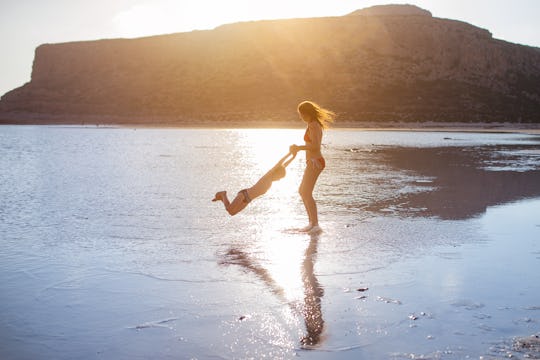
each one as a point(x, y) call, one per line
point(112, 249)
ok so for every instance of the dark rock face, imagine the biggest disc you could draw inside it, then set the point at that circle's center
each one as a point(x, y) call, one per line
point(386, 63)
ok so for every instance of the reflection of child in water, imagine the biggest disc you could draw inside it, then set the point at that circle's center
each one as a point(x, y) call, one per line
point(245, 196)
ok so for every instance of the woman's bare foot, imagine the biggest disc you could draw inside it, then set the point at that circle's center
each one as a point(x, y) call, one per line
point(219, 196)
point(312, 229)
point(307, 228)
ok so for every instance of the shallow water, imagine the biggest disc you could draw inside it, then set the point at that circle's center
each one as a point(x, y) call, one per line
point(111, 247)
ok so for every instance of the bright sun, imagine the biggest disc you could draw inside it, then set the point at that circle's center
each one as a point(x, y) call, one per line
point(165, 16)
point(154, 17)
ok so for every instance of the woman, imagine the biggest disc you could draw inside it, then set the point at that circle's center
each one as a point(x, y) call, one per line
point(245, 196)
point(317, 119)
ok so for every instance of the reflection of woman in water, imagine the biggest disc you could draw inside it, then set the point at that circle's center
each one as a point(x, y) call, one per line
point(313, 291)
point(317, 119)
point(245, 196)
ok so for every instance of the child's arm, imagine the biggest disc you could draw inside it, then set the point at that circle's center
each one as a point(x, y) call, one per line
point(280, 162)
point(286, 163)
point(283, 162)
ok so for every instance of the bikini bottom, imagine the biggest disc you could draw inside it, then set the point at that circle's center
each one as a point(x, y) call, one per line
point(247, 199)
point(318, 163)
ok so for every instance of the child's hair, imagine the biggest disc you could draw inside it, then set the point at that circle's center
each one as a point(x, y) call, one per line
point(278, 173)
point(323, 116)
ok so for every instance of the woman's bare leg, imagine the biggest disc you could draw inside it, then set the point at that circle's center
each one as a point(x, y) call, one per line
point(311, 175)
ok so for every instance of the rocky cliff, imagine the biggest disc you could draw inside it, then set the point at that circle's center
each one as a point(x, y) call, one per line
point(394, 63)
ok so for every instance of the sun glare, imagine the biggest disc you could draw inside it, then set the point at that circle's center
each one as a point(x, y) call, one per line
point(256, 151)
point(266, 147)
point(283, 257)
point(147, 18)
point(165, 16)
point(285, 265)
point(144, 20)
point(270, 145)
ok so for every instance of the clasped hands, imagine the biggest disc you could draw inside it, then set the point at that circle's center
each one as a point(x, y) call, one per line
point(293, 149)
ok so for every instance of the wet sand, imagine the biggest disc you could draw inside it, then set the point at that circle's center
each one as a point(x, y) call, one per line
point(111, 247)
point(439, 263)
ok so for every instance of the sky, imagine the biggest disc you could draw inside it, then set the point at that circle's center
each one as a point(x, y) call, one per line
point(26, 24)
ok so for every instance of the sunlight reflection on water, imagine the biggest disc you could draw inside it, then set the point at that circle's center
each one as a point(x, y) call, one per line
point(115, 228)
point(369, 184)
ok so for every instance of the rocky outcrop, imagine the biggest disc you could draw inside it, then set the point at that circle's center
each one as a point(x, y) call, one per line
point(391, 10)
point(393, 63)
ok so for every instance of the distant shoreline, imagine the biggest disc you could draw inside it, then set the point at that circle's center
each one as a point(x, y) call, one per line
point(450, 127)
point(528, 128)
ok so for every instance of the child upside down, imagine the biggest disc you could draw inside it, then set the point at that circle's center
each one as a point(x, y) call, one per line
point(245, 196)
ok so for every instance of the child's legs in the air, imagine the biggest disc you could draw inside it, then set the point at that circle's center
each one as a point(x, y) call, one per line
point(237, 205)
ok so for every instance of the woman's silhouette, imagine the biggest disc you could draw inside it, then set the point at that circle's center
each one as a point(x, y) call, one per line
point(317, 119)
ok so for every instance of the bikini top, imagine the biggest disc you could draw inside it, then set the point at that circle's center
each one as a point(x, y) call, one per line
point(306, 136)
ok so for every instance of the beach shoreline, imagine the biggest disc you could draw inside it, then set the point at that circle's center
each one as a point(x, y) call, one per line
point(473, 127)
point(446, 127)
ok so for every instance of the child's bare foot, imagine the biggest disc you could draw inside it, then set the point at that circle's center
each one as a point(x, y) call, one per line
point(219, 196)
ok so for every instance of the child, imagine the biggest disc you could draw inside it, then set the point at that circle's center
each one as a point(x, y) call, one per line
point(245, 196)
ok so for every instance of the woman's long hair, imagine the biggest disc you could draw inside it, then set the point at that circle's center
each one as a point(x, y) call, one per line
point(316, 112)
